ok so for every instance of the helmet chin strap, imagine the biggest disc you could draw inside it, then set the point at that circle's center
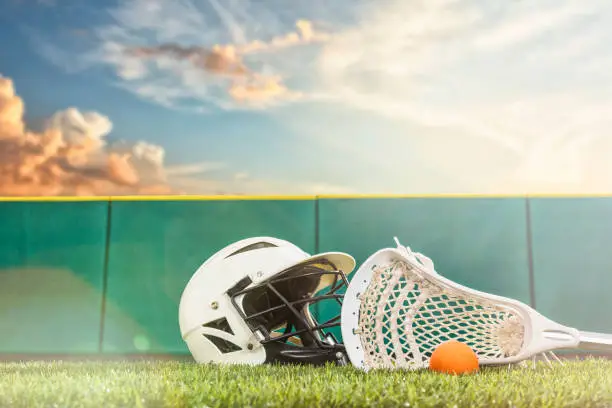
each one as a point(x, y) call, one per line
point(285, 354)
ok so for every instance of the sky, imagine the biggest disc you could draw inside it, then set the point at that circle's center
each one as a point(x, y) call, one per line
point(305, 97)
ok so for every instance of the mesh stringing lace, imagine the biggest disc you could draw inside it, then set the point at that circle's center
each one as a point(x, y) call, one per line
point(404, 317)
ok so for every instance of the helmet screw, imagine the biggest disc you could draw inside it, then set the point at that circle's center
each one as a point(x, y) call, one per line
point(250, 346)
point(214, 305)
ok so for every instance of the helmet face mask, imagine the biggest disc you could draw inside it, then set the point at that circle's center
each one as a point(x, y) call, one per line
point(251, 303)
point(284, 302)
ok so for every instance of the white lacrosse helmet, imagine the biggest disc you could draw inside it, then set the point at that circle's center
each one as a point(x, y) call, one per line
point(238, 299)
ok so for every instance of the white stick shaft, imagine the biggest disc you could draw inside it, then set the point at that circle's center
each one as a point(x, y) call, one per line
point(595, 341)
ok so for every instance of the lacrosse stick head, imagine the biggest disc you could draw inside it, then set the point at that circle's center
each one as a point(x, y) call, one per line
point(398, 309)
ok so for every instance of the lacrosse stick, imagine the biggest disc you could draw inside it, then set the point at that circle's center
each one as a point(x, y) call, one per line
point(398, 309)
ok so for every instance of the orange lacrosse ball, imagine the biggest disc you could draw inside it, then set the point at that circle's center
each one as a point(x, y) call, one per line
point(453, 357)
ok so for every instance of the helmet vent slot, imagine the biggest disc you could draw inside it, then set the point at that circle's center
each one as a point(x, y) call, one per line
point(223, 345)
point(220, 324)
point(257, 245)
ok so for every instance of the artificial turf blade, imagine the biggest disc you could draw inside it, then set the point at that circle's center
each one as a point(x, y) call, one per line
point(178, 384)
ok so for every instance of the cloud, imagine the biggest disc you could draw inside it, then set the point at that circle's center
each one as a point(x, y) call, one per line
point(189, 56)
point(329, 188)
point(71, 156)
point(219, 60)
point(225, 61)
point(261, 90)
point(184, 55)
point(304, 34)
point(194, 169)
point(245, 85)
point(524, 24)
point(491, 97)
point(243, 184)
point(241, 176)
point(489, 94)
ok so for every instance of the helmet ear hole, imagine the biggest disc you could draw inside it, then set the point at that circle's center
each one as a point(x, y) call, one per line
point(220, 324)
point(224, 346)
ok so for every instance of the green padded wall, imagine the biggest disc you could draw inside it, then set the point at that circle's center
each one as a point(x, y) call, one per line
point(52, 258)
point(571, 260)
point(156, 246)
point(478, 242)
point(51, 275)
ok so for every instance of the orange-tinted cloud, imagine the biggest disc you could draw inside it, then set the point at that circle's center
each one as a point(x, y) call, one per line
point(261, 89)
point(219, 60)
point(227, 61)
point(70, 157)
point(305, 34)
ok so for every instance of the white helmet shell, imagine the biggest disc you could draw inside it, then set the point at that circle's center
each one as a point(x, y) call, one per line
point(212, 327)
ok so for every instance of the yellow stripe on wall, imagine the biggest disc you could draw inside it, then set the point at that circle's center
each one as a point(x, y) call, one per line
point(463, 195)
point(211, 197)
point(162, 198)
point(447, 195)
point(289, 197)
point(57, 198)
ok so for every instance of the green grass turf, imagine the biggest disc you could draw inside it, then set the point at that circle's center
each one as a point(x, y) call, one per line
point(179, 384)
